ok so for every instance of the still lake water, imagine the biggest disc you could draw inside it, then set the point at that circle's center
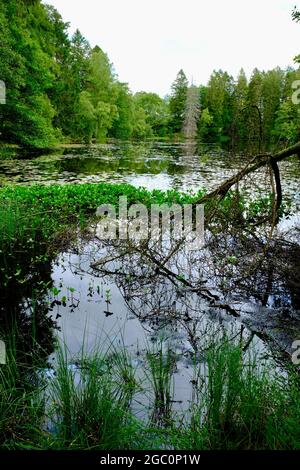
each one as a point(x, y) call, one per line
point(99, 308)
point(154, 165)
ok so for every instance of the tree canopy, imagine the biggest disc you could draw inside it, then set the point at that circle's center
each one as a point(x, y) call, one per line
point(58, 87)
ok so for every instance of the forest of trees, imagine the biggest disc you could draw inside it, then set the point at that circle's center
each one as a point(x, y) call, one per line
point(60, 89)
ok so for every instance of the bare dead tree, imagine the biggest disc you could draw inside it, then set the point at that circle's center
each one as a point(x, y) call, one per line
point(192, 111)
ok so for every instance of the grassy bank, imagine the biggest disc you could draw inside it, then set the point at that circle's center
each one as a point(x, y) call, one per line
point(238, 404)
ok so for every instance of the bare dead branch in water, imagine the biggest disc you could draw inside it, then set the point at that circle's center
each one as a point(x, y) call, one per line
point(276, 173)
point(258, 161)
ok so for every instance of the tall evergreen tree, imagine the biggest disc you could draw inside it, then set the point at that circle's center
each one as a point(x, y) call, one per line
point(218, 100)
point(272, 89)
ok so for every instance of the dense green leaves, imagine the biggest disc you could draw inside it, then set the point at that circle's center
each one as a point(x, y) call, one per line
point(156, 112)
point(59, 87)
point(28, 72)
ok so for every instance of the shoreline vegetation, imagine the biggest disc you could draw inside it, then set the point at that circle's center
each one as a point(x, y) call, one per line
point(239, 404)
point(17, 151)
point(57, 87)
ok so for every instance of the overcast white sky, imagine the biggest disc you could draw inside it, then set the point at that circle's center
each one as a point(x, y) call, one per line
point(148, 41)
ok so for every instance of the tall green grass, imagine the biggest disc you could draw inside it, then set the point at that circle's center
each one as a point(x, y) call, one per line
point(240, 404)
point(160, 376)
point(22, 407)
point(90, 406)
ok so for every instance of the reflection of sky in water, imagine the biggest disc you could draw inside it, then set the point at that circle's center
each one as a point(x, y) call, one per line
point(84, 324)
point(151, 182)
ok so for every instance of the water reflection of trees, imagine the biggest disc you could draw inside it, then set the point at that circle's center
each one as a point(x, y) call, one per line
point(134, 158)
point(24, 322)
point(169, 287)
point(168, 294)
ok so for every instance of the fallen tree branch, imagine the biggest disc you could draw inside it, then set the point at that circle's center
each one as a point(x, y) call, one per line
point(276, 173)
point(255, 163)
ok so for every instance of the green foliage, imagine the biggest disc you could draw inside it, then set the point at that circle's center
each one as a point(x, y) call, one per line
point(287, 122)
point(255, 113)
point(21, 406)
point(28, 71)
point(156, 112)
point(238, 128)
point(87, 402)
point(240, 404)
point(123, 125)
point(58, 87)
point(36, 221)
point(91, 407)
point(160, 375)
point(205, 122)
point(86, 118)
point(218, 101)
point(71, 79)
point(141, 129)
